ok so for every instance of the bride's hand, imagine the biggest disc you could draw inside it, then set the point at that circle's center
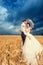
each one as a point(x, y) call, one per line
point(27, 30)
point(29, 37)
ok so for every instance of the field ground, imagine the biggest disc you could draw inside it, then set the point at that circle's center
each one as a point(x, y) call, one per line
point(11, 52)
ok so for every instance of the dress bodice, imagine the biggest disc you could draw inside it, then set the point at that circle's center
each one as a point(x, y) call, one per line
point(28, 32)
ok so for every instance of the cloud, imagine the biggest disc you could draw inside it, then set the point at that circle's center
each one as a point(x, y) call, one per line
point(12, 12)
point(5, 25)
point(37, 31)
point(3, 13)
point(31, 9)
point(9, 27)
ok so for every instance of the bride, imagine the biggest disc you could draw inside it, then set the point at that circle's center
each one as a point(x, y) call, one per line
point(31, 47)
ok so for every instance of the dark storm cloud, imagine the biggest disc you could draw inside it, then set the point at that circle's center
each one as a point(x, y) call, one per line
point(32, 9)
point(17, 10)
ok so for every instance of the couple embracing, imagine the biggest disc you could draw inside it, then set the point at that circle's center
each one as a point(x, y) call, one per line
point(31, 46)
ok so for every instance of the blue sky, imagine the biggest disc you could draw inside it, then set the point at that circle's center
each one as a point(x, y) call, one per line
point(12, 12)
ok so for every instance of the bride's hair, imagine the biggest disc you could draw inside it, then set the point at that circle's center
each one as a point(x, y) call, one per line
point(28, 24)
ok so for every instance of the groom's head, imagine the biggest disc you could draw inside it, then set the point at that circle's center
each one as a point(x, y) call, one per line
point(25, 21)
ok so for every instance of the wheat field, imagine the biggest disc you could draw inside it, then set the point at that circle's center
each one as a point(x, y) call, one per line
point(11, 51)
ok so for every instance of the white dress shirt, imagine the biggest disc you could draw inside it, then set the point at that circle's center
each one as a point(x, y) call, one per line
point(23, 28)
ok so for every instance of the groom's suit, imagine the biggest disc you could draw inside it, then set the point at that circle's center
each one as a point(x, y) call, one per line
point(23, 32)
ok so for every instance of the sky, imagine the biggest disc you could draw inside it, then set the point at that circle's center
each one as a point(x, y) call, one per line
point(12, 12)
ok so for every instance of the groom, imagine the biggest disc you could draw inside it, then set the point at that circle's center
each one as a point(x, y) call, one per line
point(23, 30)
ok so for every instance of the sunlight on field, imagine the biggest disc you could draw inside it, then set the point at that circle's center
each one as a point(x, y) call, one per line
point(11, 52)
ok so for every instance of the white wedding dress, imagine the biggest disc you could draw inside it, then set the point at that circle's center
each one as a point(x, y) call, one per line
point(31, 48)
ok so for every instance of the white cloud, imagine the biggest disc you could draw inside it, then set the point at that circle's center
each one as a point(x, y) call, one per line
point(5, 25)
point(3, 13)
point(38, 29)
point(9, 27)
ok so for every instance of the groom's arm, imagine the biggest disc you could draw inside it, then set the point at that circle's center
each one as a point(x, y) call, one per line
point(23, 29)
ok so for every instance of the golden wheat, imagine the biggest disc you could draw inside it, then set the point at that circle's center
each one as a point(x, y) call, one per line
point(11, 51)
